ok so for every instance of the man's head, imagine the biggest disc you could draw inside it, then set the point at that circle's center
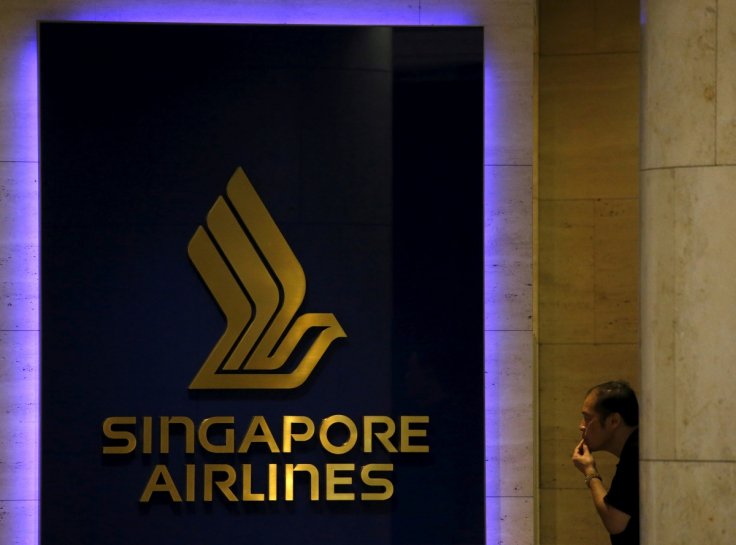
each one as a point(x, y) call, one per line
point(610, 413)
point(616, 397)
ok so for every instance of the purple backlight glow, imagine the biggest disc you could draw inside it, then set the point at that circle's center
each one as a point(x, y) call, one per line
point(24, 356)
point(302, 12)
point(19, 298)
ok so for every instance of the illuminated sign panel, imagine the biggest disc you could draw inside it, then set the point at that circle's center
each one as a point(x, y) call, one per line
point(261, 284)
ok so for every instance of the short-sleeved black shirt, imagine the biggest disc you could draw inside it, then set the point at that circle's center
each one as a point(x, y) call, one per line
point(624, 491)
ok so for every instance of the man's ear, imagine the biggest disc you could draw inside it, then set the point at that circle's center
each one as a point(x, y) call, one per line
point(614, 420)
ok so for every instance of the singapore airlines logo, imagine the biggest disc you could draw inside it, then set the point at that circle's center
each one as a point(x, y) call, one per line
point(259, 285)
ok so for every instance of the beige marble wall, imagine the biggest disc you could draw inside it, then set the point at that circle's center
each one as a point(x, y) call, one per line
point(510, 33)
point(688, 271)
point(588, 238)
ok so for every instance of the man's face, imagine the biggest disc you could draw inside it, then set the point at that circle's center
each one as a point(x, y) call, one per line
point(591, 427)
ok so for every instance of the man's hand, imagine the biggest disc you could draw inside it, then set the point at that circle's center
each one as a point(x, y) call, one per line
point(583, 459)
point(614, 520)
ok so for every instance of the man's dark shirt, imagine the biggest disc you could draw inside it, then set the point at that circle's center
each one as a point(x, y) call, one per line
point(624, 491)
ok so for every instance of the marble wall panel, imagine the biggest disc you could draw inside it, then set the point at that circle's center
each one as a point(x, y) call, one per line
point(18, 277)
point(706, 296)
point(509, 91)
point(505, 13)
point(566, 271)
point(566, 373)
point(510, 521)
point(17, 522)
point(588, 26)
point(588, 125)
point(617, 271)
point(509, 413)
point(18, 202)
point(19, 352)
point(687, 261)
point(18, 110)
point(568, 517)
point(658, 318)
point(679, 84)
point(687, 502)
point(225, 11)
point(726, 84)
point(18, 445)
point(19, 302)
point(508, 248)
point(18, 414)
point(588, 238)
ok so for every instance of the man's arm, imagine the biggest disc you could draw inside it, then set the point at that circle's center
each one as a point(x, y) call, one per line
point(613, 519)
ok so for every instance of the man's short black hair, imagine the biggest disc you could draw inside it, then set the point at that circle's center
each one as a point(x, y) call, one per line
point(616, 396)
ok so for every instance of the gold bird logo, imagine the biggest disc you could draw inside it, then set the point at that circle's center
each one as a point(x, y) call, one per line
point(259, 285)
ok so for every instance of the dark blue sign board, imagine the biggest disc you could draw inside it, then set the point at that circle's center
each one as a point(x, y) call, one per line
point(364, 146)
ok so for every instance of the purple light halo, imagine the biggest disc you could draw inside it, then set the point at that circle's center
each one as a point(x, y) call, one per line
point(224, 12)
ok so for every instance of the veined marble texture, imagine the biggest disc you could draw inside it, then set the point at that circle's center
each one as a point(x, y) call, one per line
point(684, 502)
point(679, 83)
point(688, 272)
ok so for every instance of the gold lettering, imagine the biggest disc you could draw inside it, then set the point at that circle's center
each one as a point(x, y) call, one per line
point(248, 494)
point(332, 480)
point(385, 483)
point(252, 436)
point(376, 430)
point(382, 436)
point(111, 433)
point(190, 493)
point(223, 485)
point(147, 434)
point(272, 482)
point(165, 423)
point(289, 480)
point(407, 432)
point(289, 422)
point(325, 440)
point(207, 423)
point(167, 485)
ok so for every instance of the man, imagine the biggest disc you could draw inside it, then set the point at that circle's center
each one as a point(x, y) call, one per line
point(610, 422)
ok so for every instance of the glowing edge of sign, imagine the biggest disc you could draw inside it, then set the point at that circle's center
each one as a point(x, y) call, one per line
point(27, 478)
